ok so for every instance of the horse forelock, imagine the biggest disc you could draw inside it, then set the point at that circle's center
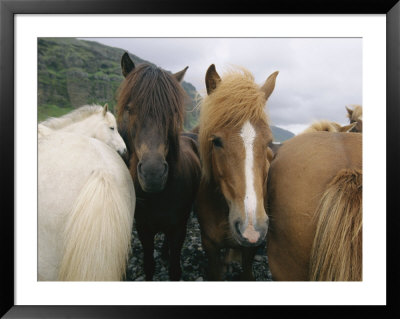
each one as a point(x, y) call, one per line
point(77, 115)
point(149, 93)
point(236, 100)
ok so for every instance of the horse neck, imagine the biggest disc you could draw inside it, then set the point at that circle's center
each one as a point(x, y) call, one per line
point(85, 127)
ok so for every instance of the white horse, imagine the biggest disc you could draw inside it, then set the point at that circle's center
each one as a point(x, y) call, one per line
point(86, 198)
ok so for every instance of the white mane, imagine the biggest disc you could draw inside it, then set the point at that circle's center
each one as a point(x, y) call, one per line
point(72, 117)
point(94, 121)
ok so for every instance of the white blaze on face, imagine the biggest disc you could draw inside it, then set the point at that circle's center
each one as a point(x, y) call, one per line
point(248, 135)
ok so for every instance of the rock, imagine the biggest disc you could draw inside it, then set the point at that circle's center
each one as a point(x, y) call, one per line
point(193, 259)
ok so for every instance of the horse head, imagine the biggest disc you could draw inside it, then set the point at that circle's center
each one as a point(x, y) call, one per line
point(355, 116)
point(107, 131)
point(234, 139)
point(150, 105)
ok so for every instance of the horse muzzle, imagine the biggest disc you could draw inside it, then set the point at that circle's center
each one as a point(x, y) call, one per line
point(249, 236)
point(248, 230)
point(124, 154)
point(152, 175)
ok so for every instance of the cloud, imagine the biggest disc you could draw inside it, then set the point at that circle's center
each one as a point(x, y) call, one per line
point(318, 76)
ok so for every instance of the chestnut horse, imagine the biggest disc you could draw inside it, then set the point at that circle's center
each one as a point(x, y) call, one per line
point(233, 137)
point(315, 208)
point(162, 162)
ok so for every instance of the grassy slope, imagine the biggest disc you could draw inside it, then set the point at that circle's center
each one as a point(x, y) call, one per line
point(74, 72)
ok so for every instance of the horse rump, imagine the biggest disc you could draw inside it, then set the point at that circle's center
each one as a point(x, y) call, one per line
point(98, 232)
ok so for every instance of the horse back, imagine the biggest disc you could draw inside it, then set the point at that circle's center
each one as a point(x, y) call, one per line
point(318, 151)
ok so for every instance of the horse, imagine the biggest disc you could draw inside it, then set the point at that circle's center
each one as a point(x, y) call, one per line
point(162, 161)
point(315, 208)
point(329, 126)
point(355, 116)
point(234, 135)
point(86, 199)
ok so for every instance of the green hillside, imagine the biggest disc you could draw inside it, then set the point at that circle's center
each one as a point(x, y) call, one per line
point(73, 72)
point(280, 135)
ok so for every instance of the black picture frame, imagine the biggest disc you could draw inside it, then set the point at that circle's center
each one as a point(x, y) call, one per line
point(8, 10)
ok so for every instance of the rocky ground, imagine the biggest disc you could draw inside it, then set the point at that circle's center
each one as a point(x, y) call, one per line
point(193, 259)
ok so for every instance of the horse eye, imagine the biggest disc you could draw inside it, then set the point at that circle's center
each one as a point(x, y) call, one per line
point(217, 142)
point(112, 128)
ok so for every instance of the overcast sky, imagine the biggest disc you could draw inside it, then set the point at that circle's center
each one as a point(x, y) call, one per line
point(317, 76)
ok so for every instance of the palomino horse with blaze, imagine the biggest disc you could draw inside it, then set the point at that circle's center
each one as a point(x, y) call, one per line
point(162, 162)
point(86, 198)
point(233, 136)
point(315, 208)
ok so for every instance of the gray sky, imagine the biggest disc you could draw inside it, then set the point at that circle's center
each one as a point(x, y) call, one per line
point(317, 76)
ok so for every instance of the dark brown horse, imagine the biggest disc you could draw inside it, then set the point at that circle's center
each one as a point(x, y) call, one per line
point(233, 139)
point(315, 208)
point(163, 163)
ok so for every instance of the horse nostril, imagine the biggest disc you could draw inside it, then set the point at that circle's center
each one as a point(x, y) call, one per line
point(139, 168)
point(165, 168)
point(237, 228)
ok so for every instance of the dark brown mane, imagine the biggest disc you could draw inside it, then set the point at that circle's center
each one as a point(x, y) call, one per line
point(149, 92)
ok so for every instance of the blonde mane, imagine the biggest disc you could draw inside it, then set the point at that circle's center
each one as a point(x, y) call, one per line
point(79, 114)
point(237, 99)
point(323, 125)
point(328, 126)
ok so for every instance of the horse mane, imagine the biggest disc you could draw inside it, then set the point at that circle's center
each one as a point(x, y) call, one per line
point(236, 99)
point(150, 92)
point(323, 125)
point(77, 115)
point(329, 126)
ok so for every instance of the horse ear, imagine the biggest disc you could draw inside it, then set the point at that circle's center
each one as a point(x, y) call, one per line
point(179, 75)
point(269, 85)
point(127, 64)
point(349, 112)
point(105, 109)
point(212, 79)
point(348, 128)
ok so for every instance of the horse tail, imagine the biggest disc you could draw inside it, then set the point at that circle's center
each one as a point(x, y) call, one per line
point(98, 232)
point(336, 253)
